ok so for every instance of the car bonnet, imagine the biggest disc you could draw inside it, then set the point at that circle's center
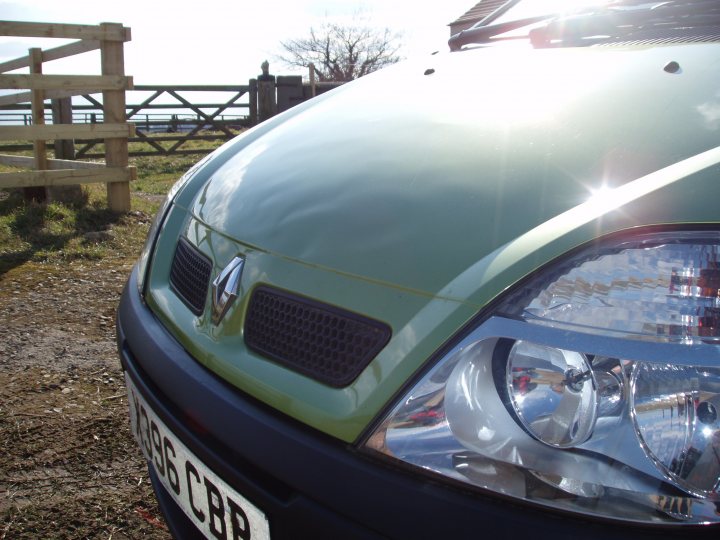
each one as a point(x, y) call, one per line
point(411, 175)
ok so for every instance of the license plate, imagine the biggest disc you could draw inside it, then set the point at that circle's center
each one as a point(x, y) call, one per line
point(215, 508)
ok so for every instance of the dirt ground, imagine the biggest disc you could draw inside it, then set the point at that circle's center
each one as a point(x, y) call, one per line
point(68, 465)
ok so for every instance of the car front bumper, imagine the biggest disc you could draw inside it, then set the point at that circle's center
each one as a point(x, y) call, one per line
point(307, 484)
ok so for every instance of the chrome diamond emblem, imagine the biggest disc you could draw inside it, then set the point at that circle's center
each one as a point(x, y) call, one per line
point(225, 289)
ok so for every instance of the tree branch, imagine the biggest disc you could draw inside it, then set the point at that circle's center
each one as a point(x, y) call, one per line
point(342, 53)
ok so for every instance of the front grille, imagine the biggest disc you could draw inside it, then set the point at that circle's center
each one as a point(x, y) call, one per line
point(190, 276)
point(328, 344)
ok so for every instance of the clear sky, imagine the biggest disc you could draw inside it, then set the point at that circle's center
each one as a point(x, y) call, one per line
point(222, 41)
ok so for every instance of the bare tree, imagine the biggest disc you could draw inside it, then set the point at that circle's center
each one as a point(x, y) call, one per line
point(342, 53)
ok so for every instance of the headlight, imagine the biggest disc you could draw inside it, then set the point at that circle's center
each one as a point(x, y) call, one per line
point(593, 388)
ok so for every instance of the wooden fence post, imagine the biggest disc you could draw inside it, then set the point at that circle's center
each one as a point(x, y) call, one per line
point(313, 89)
point(62, 114)
point(64, 149)
point(116, 150)
point(38, 116)
point(253, 102)
point(267, 105)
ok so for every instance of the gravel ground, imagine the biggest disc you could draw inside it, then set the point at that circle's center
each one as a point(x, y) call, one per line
point(68, 465)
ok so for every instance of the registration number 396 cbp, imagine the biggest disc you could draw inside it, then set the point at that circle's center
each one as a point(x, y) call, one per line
point(215, 507)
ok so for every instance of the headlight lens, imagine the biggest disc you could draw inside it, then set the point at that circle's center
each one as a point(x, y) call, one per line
point(594, 388)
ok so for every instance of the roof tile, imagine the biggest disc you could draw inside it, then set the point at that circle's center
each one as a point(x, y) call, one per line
point(478, 12)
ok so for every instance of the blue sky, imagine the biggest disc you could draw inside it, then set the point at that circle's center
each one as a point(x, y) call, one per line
point(222, 41)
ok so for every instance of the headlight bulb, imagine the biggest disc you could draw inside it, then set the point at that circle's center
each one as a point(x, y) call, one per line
point(553, 393)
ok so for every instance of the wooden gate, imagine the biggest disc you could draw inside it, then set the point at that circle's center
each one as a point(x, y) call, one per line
point(188, 120)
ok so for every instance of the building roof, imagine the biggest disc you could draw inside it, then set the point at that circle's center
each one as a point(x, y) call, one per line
point(475, 14)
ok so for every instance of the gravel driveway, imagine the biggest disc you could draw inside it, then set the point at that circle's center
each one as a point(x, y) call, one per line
point(68, 465)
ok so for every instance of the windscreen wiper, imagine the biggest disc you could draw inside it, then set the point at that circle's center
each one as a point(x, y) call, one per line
point(484, 34)
point(598, 24)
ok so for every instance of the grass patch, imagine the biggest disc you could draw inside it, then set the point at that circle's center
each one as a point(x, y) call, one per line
point(157, 174)
point(62, 232)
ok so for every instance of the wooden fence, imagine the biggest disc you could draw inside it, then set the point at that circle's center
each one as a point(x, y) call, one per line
point(115, 131)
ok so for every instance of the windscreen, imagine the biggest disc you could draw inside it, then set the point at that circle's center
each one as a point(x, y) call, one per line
point(535, 8)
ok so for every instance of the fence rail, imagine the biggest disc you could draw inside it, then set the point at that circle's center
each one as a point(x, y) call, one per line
point(156, 109)
point(114, 131)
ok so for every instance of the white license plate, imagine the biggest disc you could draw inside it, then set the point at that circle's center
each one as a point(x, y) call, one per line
point(213, 506)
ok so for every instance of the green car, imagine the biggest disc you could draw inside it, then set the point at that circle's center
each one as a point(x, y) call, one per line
point(472, 295)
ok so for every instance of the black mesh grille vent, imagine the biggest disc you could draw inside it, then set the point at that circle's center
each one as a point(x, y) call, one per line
point(323, 342)
point(190, 276)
